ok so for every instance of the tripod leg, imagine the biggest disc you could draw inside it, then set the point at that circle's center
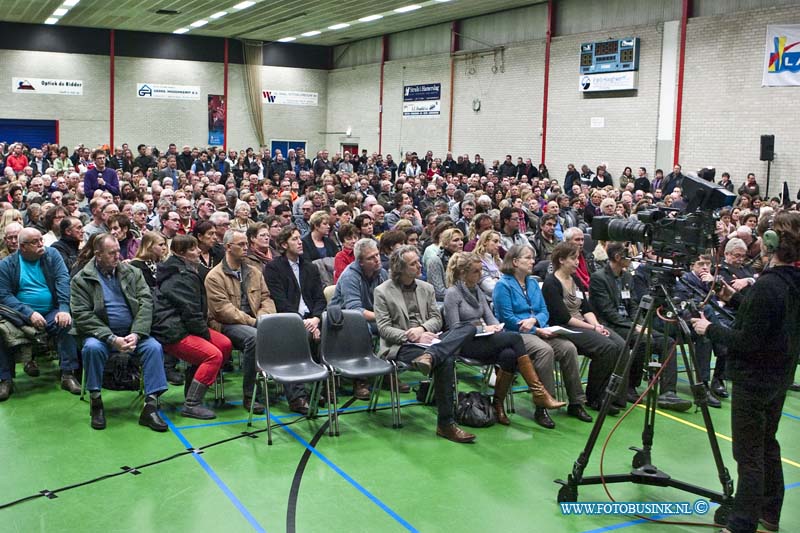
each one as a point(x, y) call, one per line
point(569, 489)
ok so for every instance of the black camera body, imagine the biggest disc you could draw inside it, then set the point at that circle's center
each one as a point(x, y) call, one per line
point(672, 234)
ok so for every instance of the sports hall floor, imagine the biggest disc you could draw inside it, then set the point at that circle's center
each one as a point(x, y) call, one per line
point(371, 478)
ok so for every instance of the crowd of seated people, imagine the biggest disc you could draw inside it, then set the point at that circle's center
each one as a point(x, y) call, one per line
point(172, 256)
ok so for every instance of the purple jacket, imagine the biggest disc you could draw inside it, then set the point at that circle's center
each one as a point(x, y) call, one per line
point(90, 182)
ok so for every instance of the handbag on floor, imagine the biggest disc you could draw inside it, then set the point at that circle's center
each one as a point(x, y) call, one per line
point(475, 410)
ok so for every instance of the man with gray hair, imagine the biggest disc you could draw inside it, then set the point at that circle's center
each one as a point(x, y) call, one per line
point(237, 296)
point(139, 223)
point(409, 323)
point(113, 311)
point(355, 290)
point(34, 282)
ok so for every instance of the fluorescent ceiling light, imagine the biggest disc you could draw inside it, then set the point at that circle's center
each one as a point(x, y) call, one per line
point(181, 30)
point(218, 15)
point(60, 12)
point(287, 39)
point(243, 5)
point(51, 20)
point(70, 3)
point(341, 26)
point(370, 18)
point(406, 9)
point(198, 23)
point(310, 33)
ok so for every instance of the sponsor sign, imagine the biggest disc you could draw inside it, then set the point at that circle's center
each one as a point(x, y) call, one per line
point(298, 98)
point(608, 81)
point(167, 92)
point(422, 101)
point(47, 86)
point(782, 56)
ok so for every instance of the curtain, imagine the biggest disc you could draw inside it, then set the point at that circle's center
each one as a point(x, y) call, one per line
point(253, 61)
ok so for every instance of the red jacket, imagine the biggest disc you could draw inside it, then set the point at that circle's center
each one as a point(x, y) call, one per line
point(340, 262)
point(17, 162)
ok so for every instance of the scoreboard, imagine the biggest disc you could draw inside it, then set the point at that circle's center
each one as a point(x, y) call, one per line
point(619, 55)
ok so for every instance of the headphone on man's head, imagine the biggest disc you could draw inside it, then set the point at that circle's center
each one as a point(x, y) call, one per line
point(771, 239)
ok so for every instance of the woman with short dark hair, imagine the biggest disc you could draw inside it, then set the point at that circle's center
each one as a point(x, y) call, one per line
point(180, 324)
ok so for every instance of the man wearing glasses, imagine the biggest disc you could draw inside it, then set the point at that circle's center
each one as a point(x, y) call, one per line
point(34, 282)
point(237, 296)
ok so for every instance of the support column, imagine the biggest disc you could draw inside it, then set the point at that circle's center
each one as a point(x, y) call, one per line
point(384, 58)
point(548, 39)
point(455, 28)
point(686, 12)
point(225, 102)
point(111, 93)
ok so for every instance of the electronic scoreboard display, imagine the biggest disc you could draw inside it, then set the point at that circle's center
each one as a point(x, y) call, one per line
point(610, 56)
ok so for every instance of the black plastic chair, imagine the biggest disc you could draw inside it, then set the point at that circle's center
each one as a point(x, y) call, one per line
point(347, 350)
point(283, 355)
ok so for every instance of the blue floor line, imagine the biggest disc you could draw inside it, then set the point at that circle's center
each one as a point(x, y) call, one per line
point(350, 480)
point(638, 521)
point(214, 477)
point(322, 412)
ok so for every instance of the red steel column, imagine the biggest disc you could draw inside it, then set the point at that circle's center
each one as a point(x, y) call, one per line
point(685, 14)
point(548, 39)
point(384, 57)
point(455, 27)
point(111, 93)
point(225, 103)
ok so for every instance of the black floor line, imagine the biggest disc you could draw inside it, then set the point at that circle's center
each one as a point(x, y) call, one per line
point(291, 508)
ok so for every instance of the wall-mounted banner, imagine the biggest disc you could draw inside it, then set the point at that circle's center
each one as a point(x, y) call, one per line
point(608, 81)
point(216, 120)
point(167, 92)
point(782, 56)
point(300, 98)
point(47, 86)
point(422, 101)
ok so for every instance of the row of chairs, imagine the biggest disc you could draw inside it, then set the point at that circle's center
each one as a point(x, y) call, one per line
point(283, 355)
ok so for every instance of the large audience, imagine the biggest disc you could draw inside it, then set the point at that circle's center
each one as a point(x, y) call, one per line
point(172, 256)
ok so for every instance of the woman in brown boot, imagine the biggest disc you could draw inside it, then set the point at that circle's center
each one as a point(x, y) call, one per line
point(519, 305)
point(464, 302)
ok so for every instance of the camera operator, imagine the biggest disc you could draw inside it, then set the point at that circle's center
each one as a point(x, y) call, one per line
point(610, 293)
point(763, 345)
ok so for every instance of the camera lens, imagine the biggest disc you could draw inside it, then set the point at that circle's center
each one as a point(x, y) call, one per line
point(623, 230)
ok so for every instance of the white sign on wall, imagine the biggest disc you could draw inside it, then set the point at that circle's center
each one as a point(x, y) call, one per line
point(782, 56)
point(299, 98)
point(47, 86)
point(608, 81)
point(167, 92)
point(598, 122)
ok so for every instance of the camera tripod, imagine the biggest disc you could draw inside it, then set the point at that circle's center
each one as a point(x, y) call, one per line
point(644, 472)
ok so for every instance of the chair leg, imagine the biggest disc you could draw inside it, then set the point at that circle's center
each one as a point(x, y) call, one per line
point(252, 403)
point(375, 394)
point(429, 396)
point(266, 404)
point(394, 387)
point(333, 408)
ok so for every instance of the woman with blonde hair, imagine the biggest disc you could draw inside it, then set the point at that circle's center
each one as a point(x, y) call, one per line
point(151, 252)
point(9, 216)
point(464, 302)
point(450, 241)
point(317, 244)
point(488, 250)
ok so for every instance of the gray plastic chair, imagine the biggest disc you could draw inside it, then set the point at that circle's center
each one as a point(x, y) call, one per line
point(283, 355)
point(347, 350)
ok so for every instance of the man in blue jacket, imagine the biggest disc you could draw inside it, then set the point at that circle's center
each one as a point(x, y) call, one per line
point(34, 282)
point(100, 177)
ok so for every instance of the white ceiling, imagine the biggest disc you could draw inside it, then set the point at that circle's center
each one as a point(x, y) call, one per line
point(267, 20)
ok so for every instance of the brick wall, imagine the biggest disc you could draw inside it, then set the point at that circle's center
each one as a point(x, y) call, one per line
point(725, 109)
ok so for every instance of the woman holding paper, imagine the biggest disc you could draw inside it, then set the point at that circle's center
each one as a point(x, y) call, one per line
point(569, 307)
point(519, 305)
point(464, 302)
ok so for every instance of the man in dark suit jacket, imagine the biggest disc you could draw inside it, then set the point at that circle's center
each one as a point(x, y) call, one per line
point(611, 295)
point(294, 284)
point(673, 179)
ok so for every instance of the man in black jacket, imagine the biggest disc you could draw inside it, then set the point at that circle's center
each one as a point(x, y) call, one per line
point(295, 287)
point(71, 238)
point(611, 295)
